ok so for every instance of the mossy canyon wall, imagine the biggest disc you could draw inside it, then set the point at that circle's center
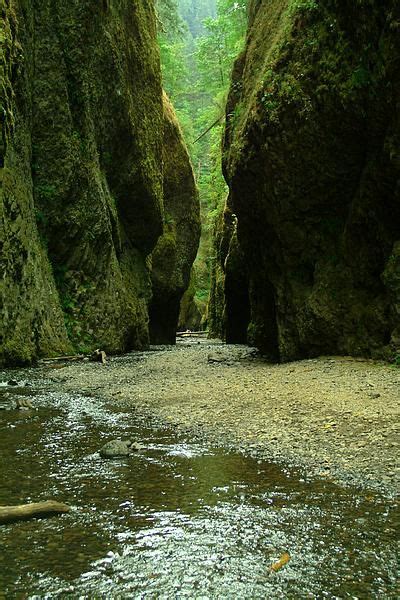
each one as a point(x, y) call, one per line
point(308, 247)
point(82, 175)
point(176, 249)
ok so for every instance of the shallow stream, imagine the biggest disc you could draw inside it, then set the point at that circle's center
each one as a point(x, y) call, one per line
point(177, 519)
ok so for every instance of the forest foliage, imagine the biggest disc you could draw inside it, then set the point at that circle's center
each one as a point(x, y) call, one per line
point(199, 41)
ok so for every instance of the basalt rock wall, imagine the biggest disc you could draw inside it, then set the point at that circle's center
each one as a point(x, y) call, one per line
point(312, 159)
point(31, 320)
point(176, 249)
point(82, 175)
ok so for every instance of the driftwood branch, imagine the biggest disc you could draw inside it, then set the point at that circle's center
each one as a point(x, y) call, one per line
point(96, 356)
point(9, 514)
point(191, 333)
point(62, 358)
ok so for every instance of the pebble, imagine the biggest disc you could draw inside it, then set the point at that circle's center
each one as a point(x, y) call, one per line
point(247, 400)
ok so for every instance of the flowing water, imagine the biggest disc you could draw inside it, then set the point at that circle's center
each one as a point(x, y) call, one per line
point(177, 519)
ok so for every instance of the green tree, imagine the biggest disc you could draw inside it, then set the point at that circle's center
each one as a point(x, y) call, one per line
point(170, 22)
point(220, 46)
point(199, 41)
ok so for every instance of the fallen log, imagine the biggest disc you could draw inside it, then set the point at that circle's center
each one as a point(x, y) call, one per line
point(191, 333)
point(22, 512)
point(61, 358)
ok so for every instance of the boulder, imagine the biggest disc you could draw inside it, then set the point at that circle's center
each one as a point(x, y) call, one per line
point(115, 449)
point(118, 448)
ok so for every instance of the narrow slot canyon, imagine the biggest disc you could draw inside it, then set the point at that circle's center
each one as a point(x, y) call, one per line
point(200, 299)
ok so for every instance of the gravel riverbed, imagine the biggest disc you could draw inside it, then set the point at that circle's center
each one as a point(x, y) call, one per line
point(332, 417)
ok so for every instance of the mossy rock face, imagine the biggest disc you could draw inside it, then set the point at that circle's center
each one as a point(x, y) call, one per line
point(228, 310)
point(176, 249)
point(191, 312)
point(31, 318)
point(83, 174)
point(222, 235)
point(312, 161)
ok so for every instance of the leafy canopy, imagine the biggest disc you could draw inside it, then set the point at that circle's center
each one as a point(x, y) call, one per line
point(199, 41)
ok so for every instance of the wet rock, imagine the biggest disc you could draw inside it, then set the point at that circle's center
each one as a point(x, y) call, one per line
point(119, 448)
point(23, 404)
point(115, 449)
point(12, 382)
point(135, 446)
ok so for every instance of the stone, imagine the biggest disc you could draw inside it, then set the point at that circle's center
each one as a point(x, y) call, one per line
point(135, 446)
point(115, 449)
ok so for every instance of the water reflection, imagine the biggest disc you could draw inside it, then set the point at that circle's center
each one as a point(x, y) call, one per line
point(177, 518)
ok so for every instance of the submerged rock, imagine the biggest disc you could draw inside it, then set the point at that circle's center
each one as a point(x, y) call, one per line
point(119, 448)
point(312, 162)
point(115, 448)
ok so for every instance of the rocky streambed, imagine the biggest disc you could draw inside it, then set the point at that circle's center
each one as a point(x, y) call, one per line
point(231, 485)
point(336, 417)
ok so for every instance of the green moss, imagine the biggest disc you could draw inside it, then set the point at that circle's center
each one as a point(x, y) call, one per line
point(83, 177)
point(311, 161)
point(31, 323)
point(176, 249)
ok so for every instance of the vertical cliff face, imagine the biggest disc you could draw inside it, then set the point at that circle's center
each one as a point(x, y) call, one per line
point(30, 314)
point(312, 161)
point(229, 309)
point(97, 162)
point(82, 175)
point(176, 249)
